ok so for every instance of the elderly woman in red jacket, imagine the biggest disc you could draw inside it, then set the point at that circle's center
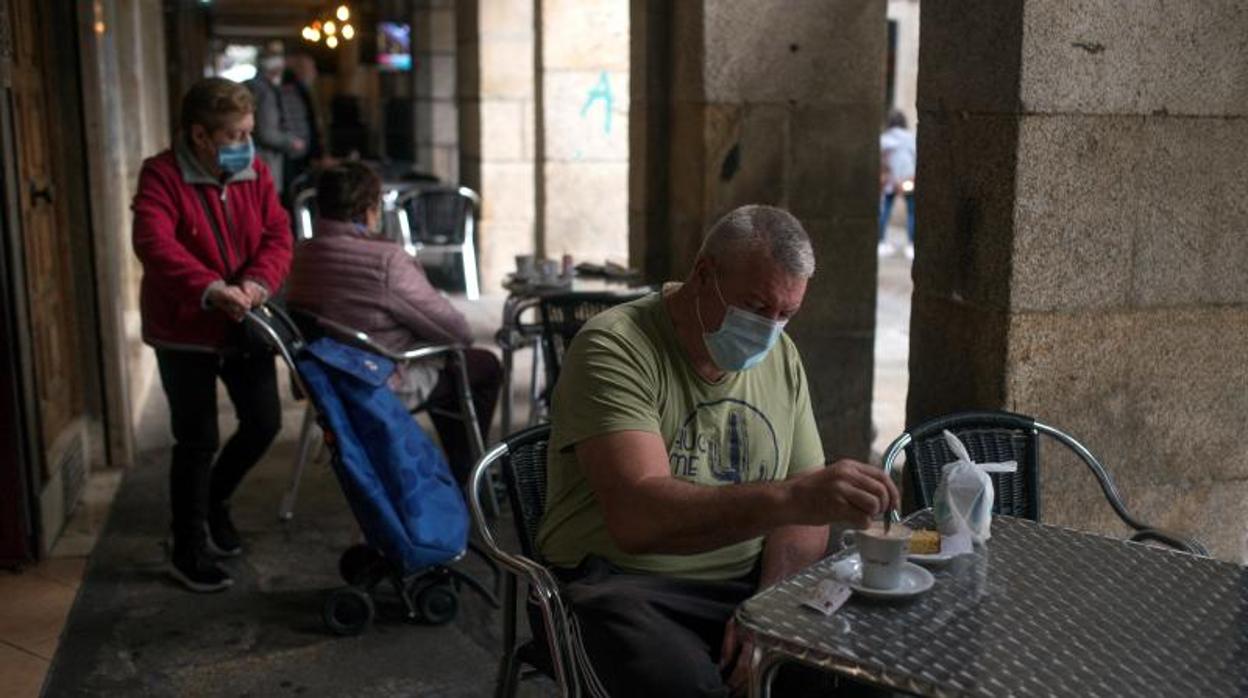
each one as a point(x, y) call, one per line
point(214, 243)
point(346, 273)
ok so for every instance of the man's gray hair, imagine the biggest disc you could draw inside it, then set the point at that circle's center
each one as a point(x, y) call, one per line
point(749, 229)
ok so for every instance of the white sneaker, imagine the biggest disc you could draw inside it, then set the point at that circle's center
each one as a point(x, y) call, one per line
point(909, 251)
point(884, 249)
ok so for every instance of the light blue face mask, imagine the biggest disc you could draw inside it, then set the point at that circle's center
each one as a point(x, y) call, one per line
point(233, 158)
point(743, 338)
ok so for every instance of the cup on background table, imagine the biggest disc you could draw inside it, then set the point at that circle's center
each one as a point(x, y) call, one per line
point(883, 554)
point(549, 269)
point(525, 268)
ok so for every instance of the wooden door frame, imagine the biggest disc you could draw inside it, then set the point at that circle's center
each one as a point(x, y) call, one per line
point(96, 258)
point(19, 411)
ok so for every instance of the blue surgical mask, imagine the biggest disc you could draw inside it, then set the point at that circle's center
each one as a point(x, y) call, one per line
point(233, 158)
point(743, 338)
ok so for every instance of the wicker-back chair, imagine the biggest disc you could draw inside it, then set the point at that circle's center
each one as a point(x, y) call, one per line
point(442, 219)
point(521, 458)
point(994, 437)
point(563, 315)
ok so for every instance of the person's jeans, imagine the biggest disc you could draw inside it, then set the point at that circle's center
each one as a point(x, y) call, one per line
point(886, 208)
point(189, 379)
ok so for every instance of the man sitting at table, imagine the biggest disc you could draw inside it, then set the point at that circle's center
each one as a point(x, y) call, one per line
point(686, 471)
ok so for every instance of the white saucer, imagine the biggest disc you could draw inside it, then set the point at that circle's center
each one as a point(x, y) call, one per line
point(914, 579)
point(931, 559)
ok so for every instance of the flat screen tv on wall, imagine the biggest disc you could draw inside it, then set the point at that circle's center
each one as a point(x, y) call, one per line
point(394, 46)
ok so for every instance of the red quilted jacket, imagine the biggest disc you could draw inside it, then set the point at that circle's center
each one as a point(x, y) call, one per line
point(180, 252)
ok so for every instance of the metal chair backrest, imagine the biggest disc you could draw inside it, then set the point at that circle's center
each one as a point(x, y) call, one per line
point(993, 437)
point(303, 207)
point(562, 315)
point(441, 215)
point(282, 334)
point(522, 459)
point(989, 437)
point(524, 474)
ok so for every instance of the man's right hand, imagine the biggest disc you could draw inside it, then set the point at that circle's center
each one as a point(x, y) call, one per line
point(846, 492)
point(231, 300)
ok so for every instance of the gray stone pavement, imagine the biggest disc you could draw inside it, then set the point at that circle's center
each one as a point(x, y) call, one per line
point(892, 344)
point(134, 633)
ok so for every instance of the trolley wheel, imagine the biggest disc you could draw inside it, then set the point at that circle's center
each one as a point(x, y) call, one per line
point(348, 611)
point(437, 603)
point(361, 565)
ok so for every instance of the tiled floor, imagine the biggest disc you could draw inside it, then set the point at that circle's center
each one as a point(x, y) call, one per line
point(35, 601)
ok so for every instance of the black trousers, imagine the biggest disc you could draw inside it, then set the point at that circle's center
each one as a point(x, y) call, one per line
point(655, 636)
point(485, 376)
point(196, 482)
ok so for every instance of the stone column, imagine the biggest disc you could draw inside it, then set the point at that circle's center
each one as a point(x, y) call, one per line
point(730, 108)
point(436, 111)
point(584, 71)
point(1082, 246)
point(494, 69)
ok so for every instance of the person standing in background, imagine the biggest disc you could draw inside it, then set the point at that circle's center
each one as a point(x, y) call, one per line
point(302, 111)
point(897, 167)
point(274, 138)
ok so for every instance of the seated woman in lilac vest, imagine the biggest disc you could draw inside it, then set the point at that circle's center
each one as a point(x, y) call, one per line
point(346, 273)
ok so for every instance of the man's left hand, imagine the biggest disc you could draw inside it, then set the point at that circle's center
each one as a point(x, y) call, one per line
point(735, 653)
point(257, 294)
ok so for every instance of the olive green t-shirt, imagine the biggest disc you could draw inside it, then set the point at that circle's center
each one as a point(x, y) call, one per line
point(626, 371)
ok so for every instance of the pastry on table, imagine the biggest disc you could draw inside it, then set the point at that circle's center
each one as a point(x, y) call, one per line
point(925, 543)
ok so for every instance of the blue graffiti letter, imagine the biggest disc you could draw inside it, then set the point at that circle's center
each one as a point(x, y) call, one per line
point(601, 90)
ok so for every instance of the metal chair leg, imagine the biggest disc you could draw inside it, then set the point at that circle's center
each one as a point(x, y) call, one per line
point(472, 286)
point(505, 422)
point(468, 415)
point(536, 404)
point(508, 668)
point(287, 509)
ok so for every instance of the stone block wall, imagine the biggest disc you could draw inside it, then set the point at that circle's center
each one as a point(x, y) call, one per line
point(584, 129)
point(434, 76)
point(495, 84)
point(1083, 241)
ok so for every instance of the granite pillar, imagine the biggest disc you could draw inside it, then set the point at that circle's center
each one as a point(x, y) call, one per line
point(495, 76)
point(584, 129)
point(1082, 245)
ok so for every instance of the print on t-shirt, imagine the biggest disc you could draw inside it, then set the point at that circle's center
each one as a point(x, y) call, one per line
point(725, 441)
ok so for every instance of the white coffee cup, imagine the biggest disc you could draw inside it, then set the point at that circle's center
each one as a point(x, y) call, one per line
point(883, 555)
point(549, 270)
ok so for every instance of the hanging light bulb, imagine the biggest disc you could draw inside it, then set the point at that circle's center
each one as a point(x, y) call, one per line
point(332, 42)
point(348, 32)
point(331, 28)
point(343, 13)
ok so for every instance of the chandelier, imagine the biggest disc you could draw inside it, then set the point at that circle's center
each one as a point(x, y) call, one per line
point(332, 27)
